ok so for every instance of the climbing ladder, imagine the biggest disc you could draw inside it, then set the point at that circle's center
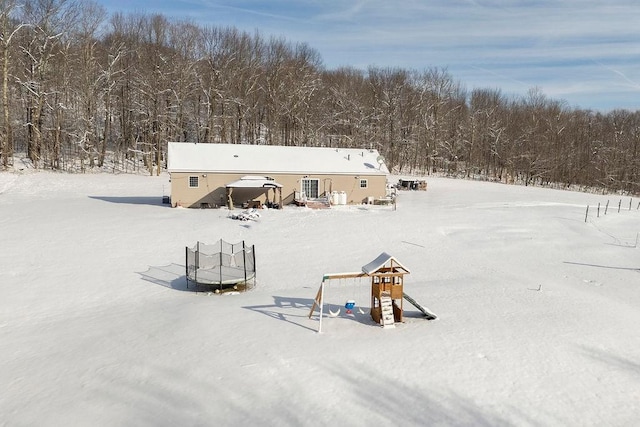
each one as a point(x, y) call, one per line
point(386, 307)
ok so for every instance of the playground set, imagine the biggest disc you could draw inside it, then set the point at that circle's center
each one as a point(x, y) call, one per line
point(387, 278)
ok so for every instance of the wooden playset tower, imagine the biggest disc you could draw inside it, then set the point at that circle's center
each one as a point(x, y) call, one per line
point(387, 293)
point(387, 279)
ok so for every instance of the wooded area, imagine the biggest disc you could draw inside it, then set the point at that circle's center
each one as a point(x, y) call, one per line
point(80, 88)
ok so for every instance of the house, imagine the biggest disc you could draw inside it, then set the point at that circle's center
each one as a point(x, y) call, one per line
point(213, 175)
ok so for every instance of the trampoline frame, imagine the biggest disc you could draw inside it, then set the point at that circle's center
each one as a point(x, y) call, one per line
point(232, 266)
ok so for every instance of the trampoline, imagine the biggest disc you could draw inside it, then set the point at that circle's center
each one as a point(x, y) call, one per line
point(222, 265)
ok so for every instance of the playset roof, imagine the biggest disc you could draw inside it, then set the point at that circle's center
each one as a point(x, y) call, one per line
point(383, 260)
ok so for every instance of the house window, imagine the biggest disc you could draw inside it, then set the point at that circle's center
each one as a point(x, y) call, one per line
point(193, 182)
point(364, 183)
point(310, 187)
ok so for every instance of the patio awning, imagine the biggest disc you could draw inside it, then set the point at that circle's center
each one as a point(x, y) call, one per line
point(250, 181)
point(254, 182)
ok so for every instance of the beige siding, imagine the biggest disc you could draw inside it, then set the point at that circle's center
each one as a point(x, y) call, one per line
point(211, 188)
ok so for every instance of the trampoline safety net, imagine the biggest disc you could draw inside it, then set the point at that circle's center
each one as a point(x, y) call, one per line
point(221, 265)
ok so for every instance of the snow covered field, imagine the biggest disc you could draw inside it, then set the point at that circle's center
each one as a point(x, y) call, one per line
point(539, 312)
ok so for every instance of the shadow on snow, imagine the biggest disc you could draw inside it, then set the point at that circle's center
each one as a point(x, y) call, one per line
point(131, 200)
point(603, 266)
point(172, 276)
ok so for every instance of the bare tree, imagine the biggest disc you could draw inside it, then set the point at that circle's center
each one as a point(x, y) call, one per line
point(442, 104)
point(488, 147)
point(47, 22)
point(88, 81)
point(147, 80)
point(390, 89)
point(9, 27)
point(344, 114)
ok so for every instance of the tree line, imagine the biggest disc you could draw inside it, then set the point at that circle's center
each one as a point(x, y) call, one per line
point(81, 89)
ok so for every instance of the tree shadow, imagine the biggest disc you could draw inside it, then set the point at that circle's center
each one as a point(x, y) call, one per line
point(603, 266)
point(612, 359)
point(135, 200)
point(623, 245)
point(406, 401)
point(368, 395)
point(286, 390)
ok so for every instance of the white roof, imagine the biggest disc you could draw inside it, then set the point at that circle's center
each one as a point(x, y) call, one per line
point(254, 182)
point(380, 262)
point(272, 159)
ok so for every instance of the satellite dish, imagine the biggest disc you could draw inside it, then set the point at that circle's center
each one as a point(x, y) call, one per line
point(380, 160)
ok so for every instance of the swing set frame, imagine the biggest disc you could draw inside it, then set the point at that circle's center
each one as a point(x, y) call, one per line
point(319, 299)
point(387, 277)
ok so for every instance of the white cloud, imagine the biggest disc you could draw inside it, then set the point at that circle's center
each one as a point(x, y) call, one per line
point(479, 41)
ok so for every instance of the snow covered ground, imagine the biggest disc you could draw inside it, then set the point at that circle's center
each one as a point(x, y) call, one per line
point(539, 312)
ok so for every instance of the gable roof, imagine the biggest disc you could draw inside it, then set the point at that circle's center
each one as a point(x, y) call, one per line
point(272, 159)
point(383, 260)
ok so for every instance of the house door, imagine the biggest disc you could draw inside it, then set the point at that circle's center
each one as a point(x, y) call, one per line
point(310, 187)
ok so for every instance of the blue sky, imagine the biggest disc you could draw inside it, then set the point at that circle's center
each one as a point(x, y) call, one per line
point(586, 52)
